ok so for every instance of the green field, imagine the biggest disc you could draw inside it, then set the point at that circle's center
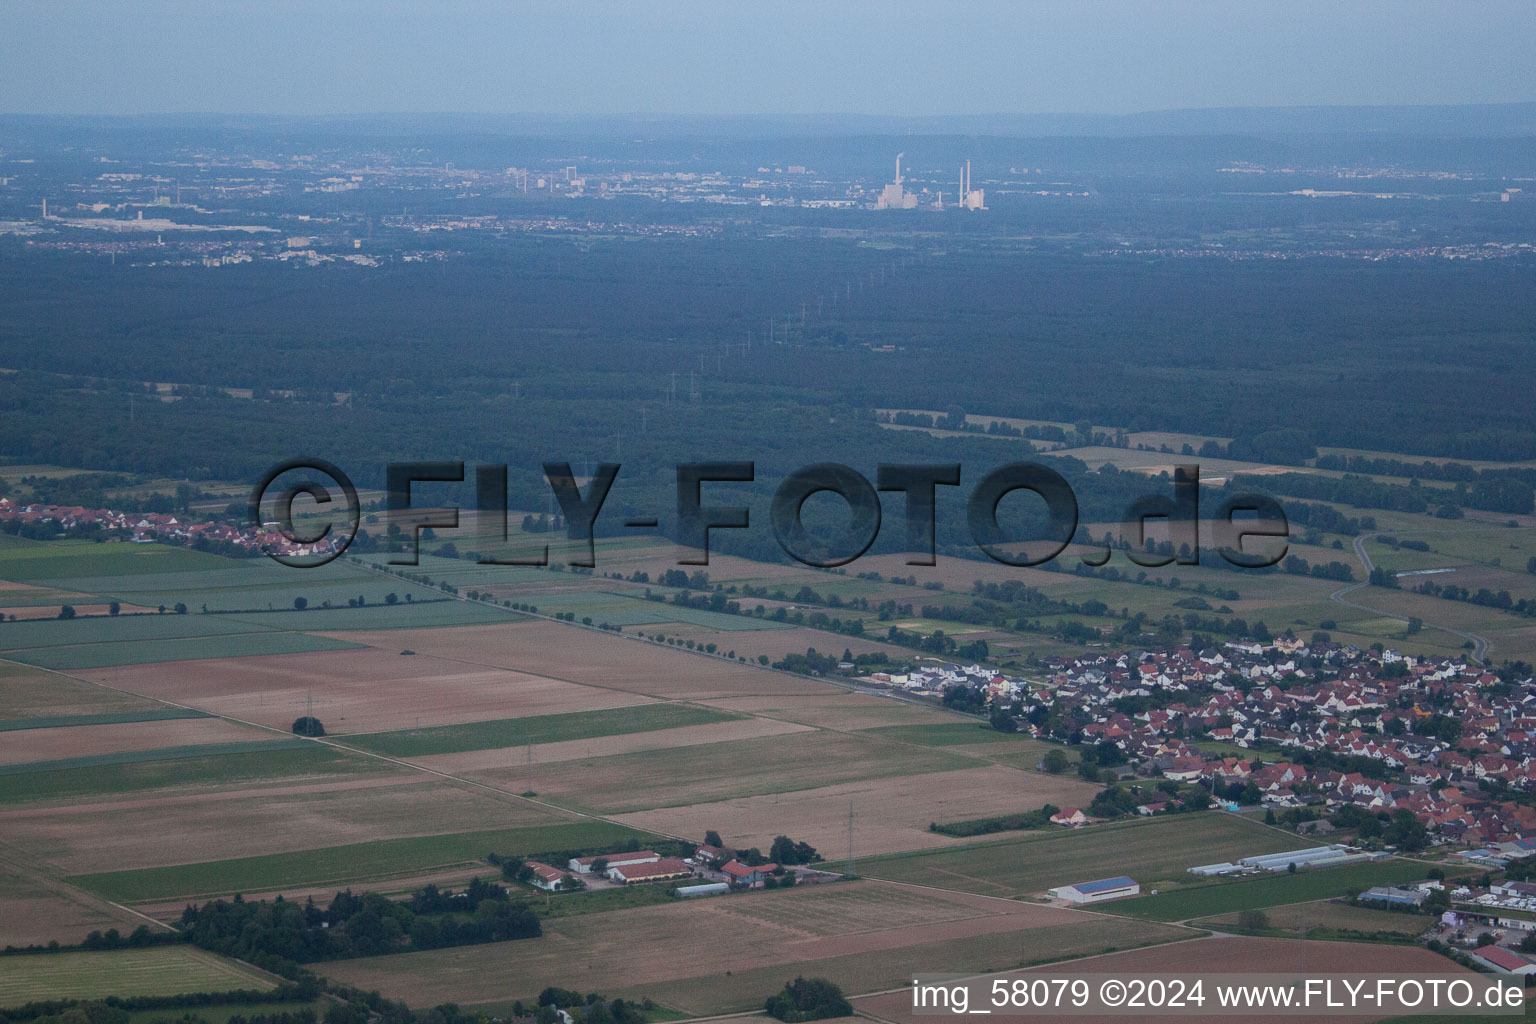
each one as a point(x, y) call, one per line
point(1267, 891)
point(124, 757)
point(237, 767)
point(345, 864)
point(511, 732)
point(103, 629)
point(416, 615)
point(1156, 849)
point(158, 971)
point(144, 652)
point(105, 718)
point(64, 559)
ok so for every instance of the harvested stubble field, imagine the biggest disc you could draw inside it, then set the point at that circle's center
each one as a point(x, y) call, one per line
point(1209, 957)
point(161, 971)
point(96, 836)
point(890, 814)
point(859, 934)
point(1152, 850)
point(24, 745)
point(591, 658)
point(367, 690)
point(722, 771)
point(30, 692)
point(836, 708)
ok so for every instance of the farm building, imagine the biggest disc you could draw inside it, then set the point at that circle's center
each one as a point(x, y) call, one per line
point(1503, 961)
point(1099, 891)
point(707, 854)
point(546, 877)
point(1070, 817)
point(650, 871)
point(1395, 896)
point(583, 865)
point(707, 889)
point(741, 874)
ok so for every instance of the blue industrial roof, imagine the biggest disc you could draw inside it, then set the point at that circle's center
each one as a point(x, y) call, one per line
point(1119, 882)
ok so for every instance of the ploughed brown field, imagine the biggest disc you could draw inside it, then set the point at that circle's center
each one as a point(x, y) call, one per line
point(862, 935)
point(616, 662)
point(1216, 956)
point(890, 814)
point(365, 691)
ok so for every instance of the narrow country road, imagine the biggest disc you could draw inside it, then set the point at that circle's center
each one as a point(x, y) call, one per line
point(1479, 644)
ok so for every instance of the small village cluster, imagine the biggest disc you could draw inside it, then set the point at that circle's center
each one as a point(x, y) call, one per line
point(162, 527)
point(1381, 714)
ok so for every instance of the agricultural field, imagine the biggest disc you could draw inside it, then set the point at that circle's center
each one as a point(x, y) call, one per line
point(270, 816)
point(28, 692)
point(163, 970)
point(40, 909)
point(1267, 891)
point(889, 814)
point(1329, 916)
point(341, 865)
point(181, 769)
point(537, 729)
point(862, 935)
point(366, 689)
point(45, 744)
point(684, 776)
point(1153, 851)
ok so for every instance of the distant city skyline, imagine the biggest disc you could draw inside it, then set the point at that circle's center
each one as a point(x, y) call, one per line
point(784, 57)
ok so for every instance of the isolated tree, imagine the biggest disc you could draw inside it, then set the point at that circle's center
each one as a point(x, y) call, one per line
point(67, 612)
point(1055, 761)
point(712, 838)
point(300, 603)
point(114, 608)
point(1252, 920)
point(308, 725)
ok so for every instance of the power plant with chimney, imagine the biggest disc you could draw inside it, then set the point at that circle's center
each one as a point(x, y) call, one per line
point(896, 196)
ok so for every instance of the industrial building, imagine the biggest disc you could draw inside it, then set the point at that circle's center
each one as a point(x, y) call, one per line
point(1099, 891)
point(893, 196)
point(896, 196)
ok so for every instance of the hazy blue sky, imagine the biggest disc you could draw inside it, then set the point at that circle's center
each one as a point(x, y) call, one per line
point(58, 56)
